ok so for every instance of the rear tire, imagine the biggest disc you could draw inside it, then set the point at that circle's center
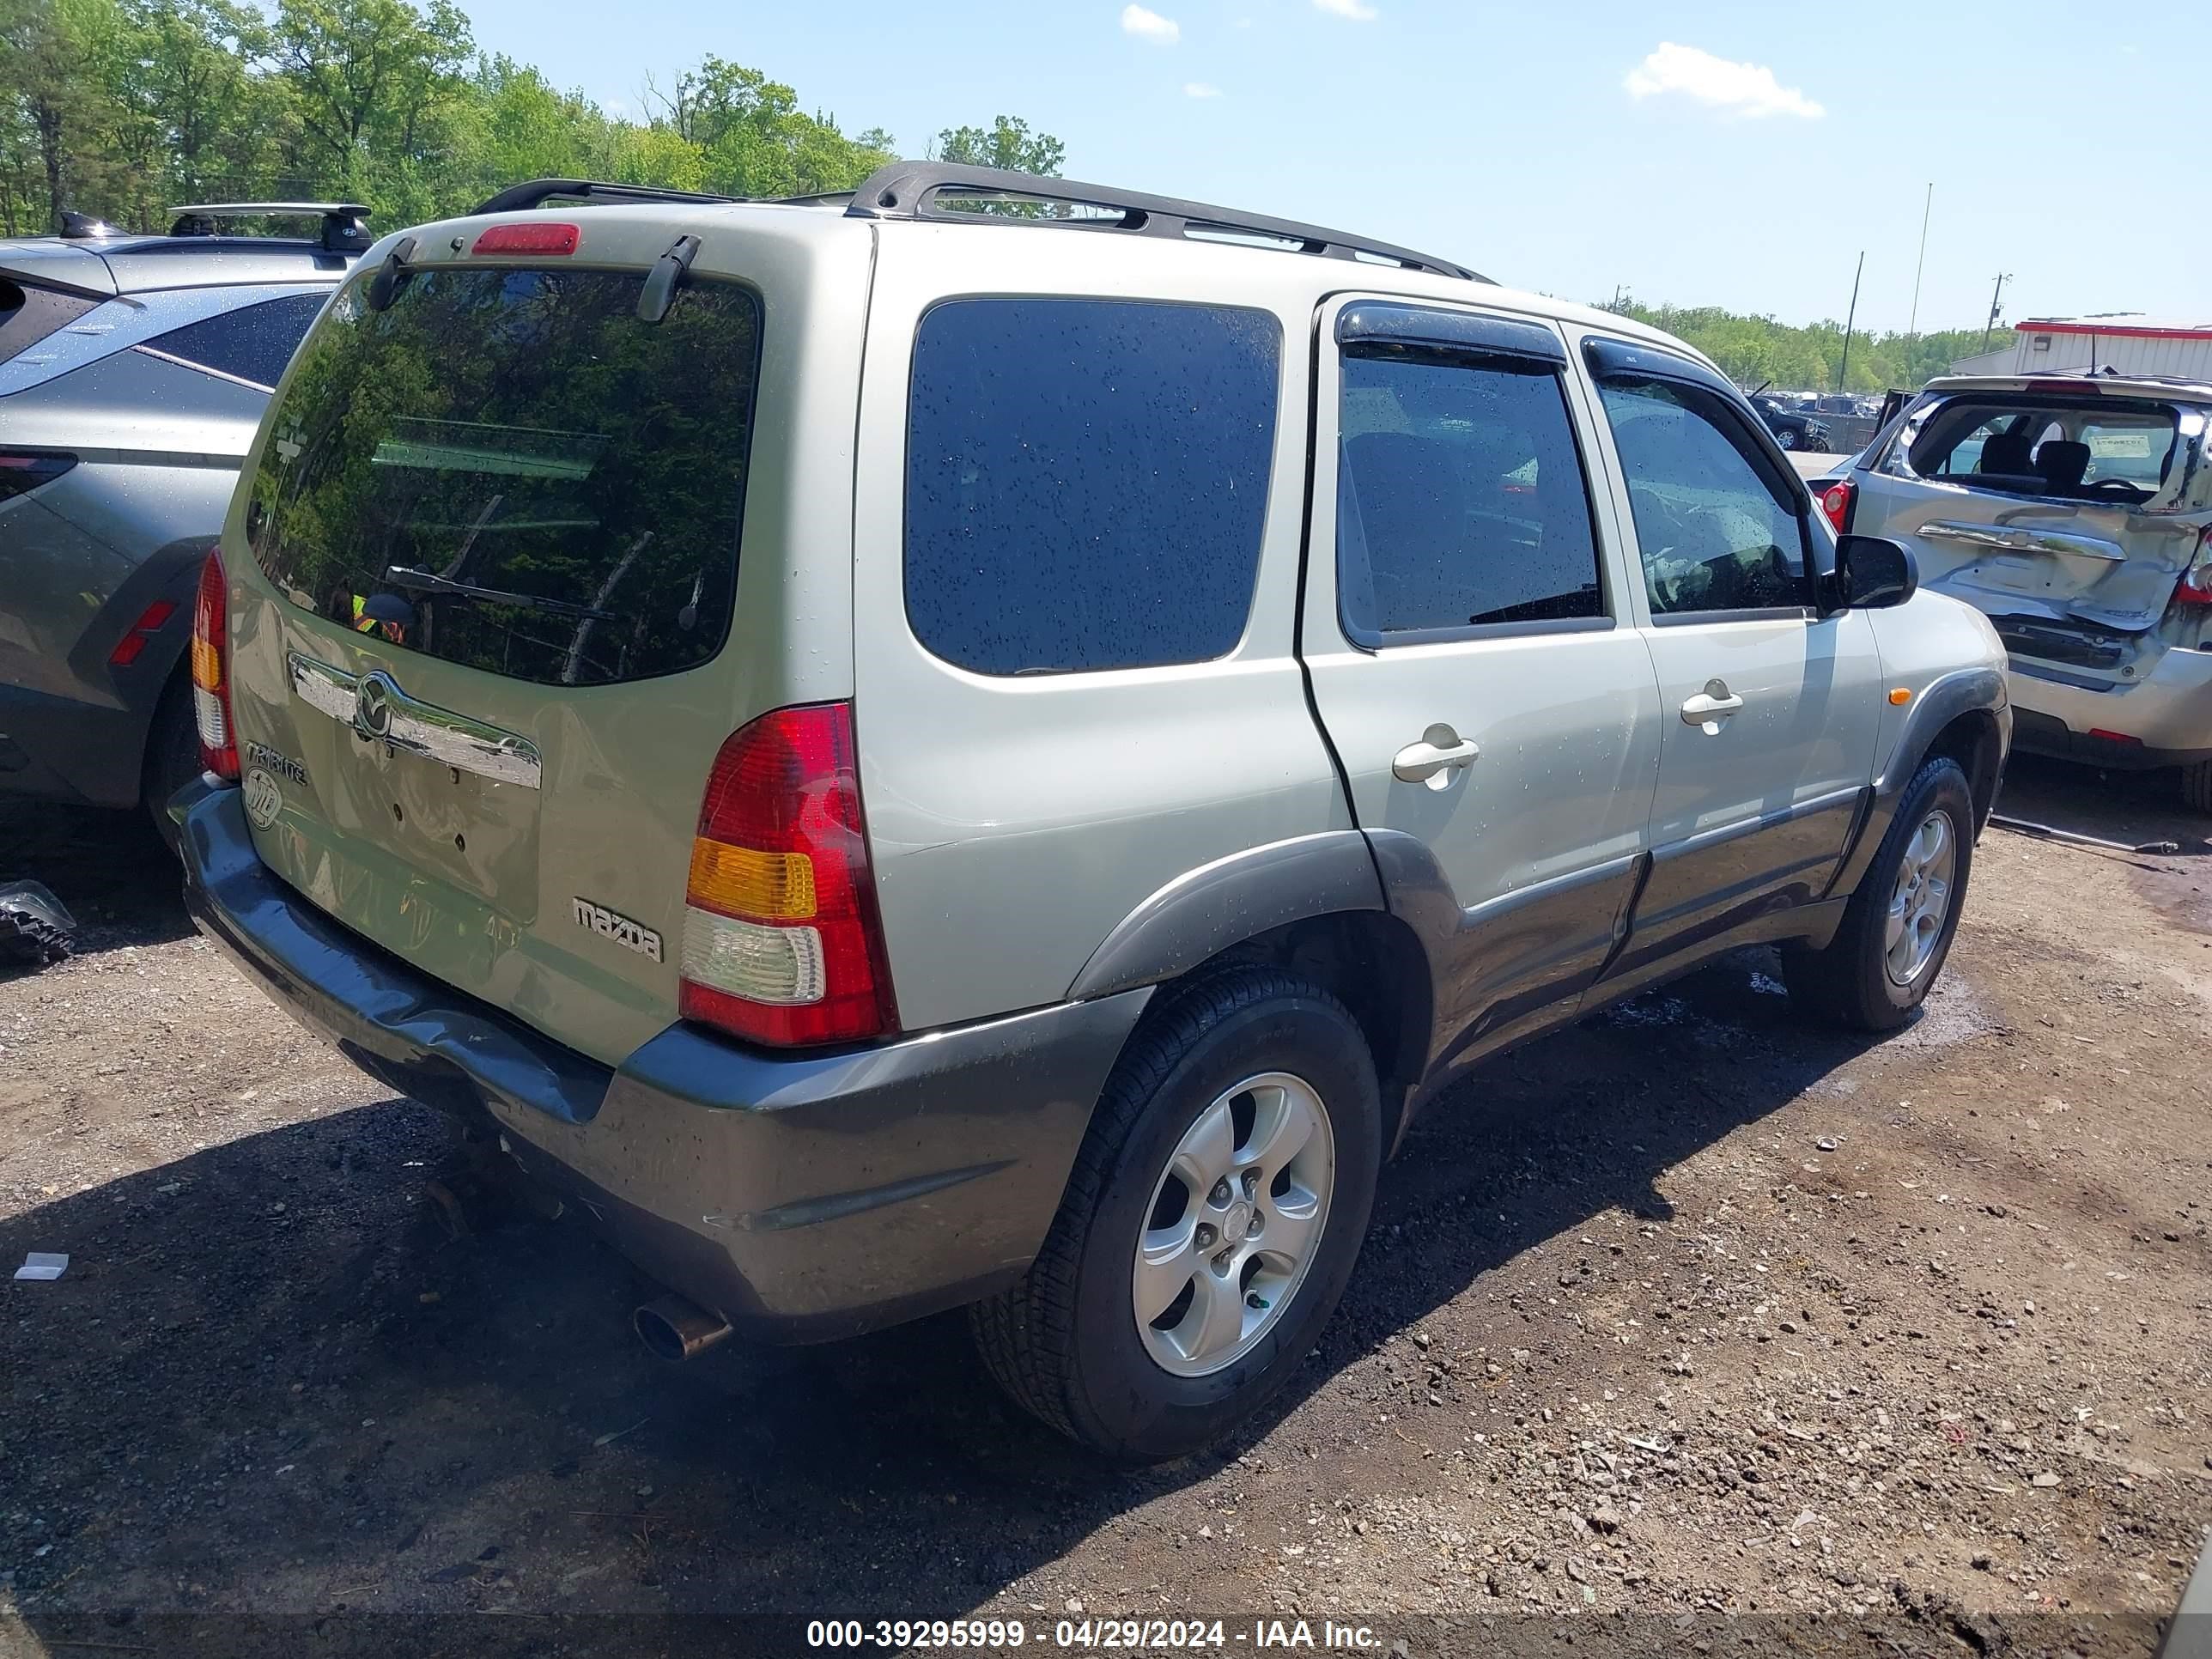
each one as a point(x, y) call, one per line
point(1069, 1342)
point(1894, 938)
point(173, 758)
point(2196, 787)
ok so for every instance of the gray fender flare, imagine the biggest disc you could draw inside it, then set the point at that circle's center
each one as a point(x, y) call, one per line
point(1204, 911)
point(1959, 692)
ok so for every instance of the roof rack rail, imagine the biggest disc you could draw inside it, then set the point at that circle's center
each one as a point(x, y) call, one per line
point(345, 229)
point(907, 190)
point(519, 198)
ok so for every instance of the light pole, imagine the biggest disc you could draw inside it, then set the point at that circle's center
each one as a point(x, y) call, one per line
point(1849, 318)
point(1913, 326)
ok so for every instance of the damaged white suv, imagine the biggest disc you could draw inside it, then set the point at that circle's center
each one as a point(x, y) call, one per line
point(2075, 510)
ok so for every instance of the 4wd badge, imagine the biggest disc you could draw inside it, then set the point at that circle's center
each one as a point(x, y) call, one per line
point(263, 798)
point(630, 935)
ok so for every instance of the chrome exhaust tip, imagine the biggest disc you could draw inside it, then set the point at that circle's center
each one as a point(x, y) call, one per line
point(675, 1329)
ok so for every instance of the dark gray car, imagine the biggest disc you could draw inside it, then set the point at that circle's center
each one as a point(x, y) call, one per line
point(133, 372)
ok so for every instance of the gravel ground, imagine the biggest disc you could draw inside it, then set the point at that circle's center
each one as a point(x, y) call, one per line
point(1690, 1314)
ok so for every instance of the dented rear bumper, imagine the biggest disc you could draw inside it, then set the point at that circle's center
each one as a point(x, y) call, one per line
point(802, 1196)
point(2165, 719)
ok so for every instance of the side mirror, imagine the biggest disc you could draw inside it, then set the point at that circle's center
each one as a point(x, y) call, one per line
point(1873, 574)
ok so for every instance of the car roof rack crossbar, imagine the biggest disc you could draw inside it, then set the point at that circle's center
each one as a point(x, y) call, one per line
point(520, 198)
point(909, 190)
point(345, 229)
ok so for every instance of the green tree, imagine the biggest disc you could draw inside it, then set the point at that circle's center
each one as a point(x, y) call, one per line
point(1756, 350)
point(57, 118)
point(125, 107)
point(753, 138)
point(373, 83)
point(1007, 143)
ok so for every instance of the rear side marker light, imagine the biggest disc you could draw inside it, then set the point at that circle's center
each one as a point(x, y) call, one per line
point(2111, 737)
point(211, 672)
point(541, 239)
point(148, 624)
point(782, 941)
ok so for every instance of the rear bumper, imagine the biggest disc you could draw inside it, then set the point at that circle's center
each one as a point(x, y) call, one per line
point(2162, 719)
point(803, 1197)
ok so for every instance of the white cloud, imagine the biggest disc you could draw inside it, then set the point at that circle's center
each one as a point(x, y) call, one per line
point(1150, 25)
point(1357, 10)
point(1199, 89)
point(1745, 89)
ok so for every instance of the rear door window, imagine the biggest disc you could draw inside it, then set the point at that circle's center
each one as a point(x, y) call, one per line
point(1461, 501)
point(507, 469)
point(1086, 481)
point(252, 344)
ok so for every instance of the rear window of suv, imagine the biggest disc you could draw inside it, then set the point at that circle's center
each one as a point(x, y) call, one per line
point(1086, 481)
point(507, 469)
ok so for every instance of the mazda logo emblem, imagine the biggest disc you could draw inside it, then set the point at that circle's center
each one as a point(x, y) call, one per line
point(372, 704)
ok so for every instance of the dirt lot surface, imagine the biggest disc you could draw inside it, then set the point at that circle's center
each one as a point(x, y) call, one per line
point(1694, 1313)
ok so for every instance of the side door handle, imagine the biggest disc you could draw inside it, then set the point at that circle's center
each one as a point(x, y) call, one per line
point(1710, 707)
point(1440, 753)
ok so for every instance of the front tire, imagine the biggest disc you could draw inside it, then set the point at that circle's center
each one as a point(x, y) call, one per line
point(1787, 438)
point(1898, 927)
point(1209, 1226)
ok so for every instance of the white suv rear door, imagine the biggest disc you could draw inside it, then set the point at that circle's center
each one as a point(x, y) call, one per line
point(1770, 709)
point(1478, 676)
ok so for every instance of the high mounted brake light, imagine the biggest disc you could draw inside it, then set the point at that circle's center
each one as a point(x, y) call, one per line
point(211, 673)
point(546, 238)
point(782, 941)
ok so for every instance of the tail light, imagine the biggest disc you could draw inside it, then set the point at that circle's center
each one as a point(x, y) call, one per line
point(20, 473)
point(1837, 501)
point(2195, 586)
point(211, 672)
point(782, 941)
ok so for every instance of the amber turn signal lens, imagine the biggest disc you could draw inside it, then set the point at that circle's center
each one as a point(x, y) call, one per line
point(1901, 696)
point(738, 881)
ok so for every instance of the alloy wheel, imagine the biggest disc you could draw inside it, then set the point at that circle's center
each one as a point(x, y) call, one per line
point(1922, 898)
point(1236, 1220)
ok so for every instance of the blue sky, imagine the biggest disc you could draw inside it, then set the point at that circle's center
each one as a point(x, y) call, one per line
point(1737, 155)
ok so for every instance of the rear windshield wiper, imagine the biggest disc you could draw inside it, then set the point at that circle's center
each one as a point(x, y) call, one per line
point(428, 581)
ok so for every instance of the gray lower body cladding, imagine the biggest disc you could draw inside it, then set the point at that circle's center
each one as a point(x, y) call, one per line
point(803, 1197)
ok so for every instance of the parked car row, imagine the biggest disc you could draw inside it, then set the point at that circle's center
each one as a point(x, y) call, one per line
point(1793, 429)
